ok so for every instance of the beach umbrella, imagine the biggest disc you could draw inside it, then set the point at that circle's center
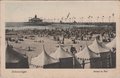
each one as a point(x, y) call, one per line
point(98, 47)
point(112, 44)
point(43, 59)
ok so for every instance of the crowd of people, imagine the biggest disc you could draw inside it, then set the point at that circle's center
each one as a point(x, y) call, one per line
point(104, 34)
point(75, 33)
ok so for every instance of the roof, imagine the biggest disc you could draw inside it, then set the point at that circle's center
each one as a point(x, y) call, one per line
point(35, 19)
point(112, 44)
point(86, 53)
point(61, 53)
point(98, 47)
point(43, 59)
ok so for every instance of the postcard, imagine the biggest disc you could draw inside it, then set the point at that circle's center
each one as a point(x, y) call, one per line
point(60, 39)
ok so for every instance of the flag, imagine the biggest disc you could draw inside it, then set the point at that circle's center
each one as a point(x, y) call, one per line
point(68, 15)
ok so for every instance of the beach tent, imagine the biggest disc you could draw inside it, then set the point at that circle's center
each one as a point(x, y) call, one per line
point(64, 57)
point(112, 44)
point(103, 52)
point(61, 53)
point(98, 47)
point(84, 57)
point(112, 61)
point(14, 59)
point(43, 60)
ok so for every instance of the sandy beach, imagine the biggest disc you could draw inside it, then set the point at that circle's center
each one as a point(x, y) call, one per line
point(49, 43)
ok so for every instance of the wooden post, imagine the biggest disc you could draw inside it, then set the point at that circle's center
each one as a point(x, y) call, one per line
point(73, 59)
point(83, 63)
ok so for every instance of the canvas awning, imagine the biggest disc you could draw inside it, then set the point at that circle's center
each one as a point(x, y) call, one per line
point(98, 47)
point(61, 53)
point(86, 53)
point(12, 56)
point(43, 59)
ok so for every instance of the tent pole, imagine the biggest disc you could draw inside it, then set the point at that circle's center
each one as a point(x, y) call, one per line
point(83, 63)
point(73, 62)
point(73, 59)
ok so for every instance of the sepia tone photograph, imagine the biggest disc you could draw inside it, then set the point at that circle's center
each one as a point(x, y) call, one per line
point(67, 39)
point(37, 36)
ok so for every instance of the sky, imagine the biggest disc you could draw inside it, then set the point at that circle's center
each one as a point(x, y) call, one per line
point(22, 11)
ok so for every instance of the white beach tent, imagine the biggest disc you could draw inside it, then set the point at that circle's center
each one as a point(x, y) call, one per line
point(112, 44)
point(61, 53)
point(43, 59)
point(102, 51)
point(98, 47)
point(85, 55)
point(66, 59)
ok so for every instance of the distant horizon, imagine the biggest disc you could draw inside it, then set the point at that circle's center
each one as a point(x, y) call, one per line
point(22, 11)
point(78, 20)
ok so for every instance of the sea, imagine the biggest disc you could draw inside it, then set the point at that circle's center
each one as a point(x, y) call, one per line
point(46, 27)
